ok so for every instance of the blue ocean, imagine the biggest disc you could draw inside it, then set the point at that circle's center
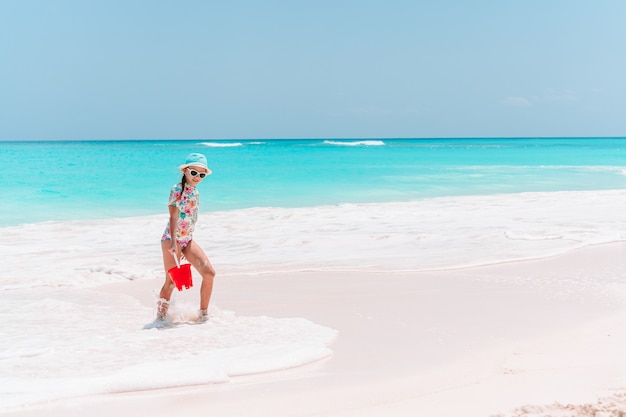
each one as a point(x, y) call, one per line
point(65, 180)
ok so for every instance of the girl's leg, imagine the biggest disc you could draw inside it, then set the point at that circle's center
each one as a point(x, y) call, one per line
point(196, 256)
point(168, 286)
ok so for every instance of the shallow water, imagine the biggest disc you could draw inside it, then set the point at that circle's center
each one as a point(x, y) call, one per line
point(107, 179)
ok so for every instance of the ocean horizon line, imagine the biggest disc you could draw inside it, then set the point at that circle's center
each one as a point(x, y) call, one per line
point(310, 139)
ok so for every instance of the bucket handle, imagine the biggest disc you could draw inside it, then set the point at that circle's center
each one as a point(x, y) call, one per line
point(176, 259)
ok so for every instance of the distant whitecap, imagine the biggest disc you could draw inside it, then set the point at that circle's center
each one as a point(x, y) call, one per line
point(355, 143)
point(221, 144)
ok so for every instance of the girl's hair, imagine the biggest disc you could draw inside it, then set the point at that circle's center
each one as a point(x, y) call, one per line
point(183, 181)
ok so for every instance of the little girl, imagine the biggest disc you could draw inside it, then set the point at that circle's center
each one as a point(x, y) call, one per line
point(178, 236)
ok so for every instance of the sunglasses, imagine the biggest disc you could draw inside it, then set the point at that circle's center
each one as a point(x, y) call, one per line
point(194, 173)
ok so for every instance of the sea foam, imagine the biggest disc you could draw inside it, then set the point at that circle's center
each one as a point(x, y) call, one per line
point(437, 233)
point(66, 342)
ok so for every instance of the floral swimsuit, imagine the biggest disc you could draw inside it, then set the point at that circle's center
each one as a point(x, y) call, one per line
point(187, 201)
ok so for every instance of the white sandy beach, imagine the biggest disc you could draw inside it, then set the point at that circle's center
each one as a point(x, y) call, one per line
point(400, 322)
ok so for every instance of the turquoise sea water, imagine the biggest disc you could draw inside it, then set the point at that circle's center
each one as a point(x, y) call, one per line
point(43, 181)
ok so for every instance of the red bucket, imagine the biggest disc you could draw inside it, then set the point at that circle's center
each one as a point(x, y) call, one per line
point(181, 276)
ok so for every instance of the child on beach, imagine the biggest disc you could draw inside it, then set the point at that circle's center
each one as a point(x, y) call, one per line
point(177, 240)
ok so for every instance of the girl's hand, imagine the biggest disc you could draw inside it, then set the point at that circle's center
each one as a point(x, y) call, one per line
point(173, 248)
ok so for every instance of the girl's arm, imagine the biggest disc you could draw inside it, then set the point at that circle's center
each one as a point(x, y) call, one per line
point(173, 228)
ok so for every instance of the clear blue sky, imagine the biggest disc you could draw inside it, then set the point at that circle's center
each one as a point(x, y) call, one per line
point(238, 69)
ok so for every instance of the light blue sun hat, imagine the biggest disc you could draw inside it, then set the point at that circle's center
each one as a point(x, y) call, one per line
point(196, 160)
